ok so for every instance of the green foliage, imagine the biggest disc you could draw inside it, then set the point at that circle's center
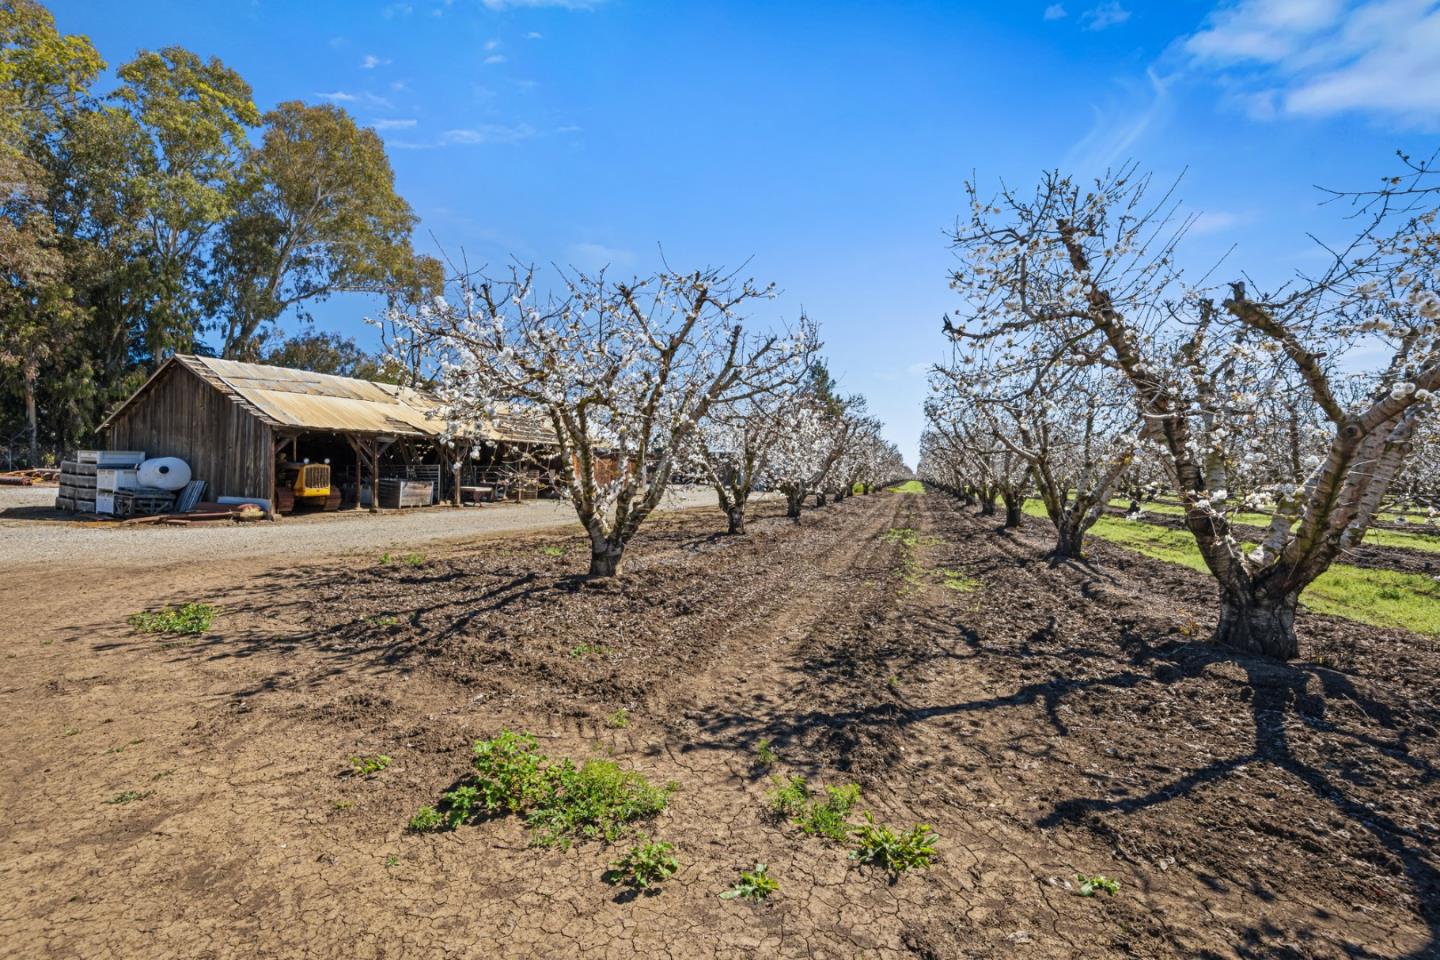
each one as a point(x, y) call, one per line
point(320, 351)
point(190, 619)
point(754, 884)
point(586, 649)
point(956, 580)
point(593, 801)
point(1089, 886)
point(618, 720)
point(879, 846)
point(426, 820)
point(909, 486)
point(828, 819)
point(560, 801)
point(765, 754)
point(407, 559)
point(367, 766)
point(554, 550)
point(645, 865)
point(129, 796)
point(790, 797)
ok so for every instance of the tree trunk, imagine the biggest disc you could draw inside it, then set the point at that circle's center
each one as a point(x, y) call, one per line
point(987, 505)
point(792, 505)
point(737, 519)
point(32, 416)
point(1253, 623)
point(1013, 505)
point(1069, 539)
point(605, 562)
point(819, 499)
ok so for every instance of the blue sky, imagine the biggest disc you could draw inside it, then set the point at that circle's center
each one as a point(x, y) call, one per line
point(828, 143)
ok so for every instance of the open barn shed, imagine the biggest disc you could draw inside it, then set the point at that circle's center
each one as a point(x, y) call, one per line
point(239, 424)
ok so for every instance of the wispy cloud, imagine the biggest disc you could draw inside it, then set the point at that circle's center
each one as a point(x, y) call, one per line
point(1105, 15)
point(392, 124)
point(1219, 221)
point(371, 61)
point(1326, 57)
point(337, 96)
point(489, 133)
point(1055, 12)
point(596, 256)
point(495, 58)
point(562, 4)
point(532, 35)
point(369, 99)
point(1117, 127)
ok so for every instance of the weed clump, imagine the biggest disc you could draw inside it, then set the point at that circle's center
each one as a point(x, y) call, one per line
point(879, 846)
point(794, 799)
point(1089, 886)
point(191, 619)
point(645, 866)
point(560, 801)
point(765, 754)
point(388, 559)
point(368, 766)
point(754, 885)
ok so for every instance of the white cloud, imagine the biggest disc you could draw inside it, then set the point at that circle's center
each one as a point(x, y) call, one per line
point(1105, 15)
point(489, 133)
point(1219, 221)
point(492, 44)
point(532, 35)
point(371, 62)
point(338, 96)
point(1055, 12)
point(563, 4)
point(1326, 57)
point(596, 256)
point(1119, 126)
point(370, 99)
point(388, 124)
point(495, 58)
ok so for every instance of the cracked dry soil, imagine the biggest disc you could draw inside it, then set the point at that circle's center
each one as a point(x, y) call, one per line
point(1046, 720)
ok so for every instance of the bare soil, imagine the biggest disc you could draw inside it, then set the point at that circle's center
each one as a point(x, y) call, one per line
point(1053, 719)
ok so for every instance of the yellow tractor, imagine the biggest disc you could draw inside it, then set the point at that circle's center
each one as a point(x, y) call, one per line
point(306, 483)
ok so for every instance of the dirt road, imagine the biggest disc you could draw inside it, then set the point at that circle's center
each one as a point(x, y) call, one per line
point(1046, 721)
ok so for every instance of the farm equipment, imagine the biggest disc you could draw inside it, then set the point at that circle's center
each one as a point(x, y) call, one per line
point(307, 483)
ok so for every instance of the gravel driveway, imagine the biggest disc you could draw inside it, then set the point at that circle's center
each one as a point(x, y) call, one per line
point(32, 533)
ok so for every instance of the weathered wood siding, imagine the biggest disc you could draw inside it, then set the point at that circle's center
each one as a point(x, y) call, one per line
point(183, 416)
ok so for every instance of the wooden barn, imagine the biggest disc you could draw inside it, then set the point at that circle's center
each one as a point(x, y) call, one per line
point(239, 424)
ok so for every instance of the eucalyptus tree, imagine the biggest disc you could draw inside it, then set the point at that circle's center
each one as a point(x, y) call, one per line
point(623, 372)
point(1072, 277)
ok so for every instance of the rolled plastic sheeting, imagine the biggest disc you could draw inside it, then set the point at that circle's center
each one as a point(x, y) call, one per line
point(164, 473)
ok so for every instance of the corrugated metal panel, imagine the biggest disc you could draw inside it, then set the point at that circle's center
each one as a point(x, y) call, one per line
point(302, 400)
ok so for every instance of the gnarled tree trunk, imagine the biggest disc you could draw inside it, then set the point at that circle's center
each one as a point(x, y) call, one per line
point(987, 504)
point(1069, 536)
point(736, 515)
point(1252, 621)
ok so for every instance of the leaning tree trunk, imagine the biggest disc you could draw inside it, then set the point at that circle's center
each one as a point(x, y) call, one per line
point(1013, 504)
point(820, 499)
point(1253, 621)
point(794, 499)
point(987, 505)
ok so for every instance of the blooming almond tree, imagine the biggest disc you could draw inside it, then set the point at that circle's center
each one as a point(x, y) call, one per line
point(1082, 277)
point(812, 439)
point(624, 373)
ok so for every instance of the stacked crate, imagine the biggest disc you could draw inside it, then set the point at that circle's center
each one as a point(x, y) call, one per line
point(81, 479)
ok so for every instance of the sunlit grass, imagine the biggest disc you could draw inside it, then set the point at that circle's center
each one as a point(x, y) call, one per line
point(1405, 539)
point(909, 486)
point(1382, 598)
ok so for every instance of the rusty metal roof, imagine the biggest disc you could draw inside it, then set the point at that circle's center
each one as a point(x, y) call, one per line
point(300, 399)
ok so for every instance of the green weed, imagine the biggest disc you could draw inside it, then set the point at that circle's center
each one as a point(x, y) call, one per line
point(367, 766)
point(618, 720)
point(765, 754)
point(190, 619)
point(879, 846)
point(587, 649)
point(645, 865)
point(754, 884)
point(956, 580)
point(1089, 886)
point(909, 486)
point(129, 796)
point(392, 861)
point(790, 797)
point(407, 559)
point(553, 550)
point(71, 731)
point(559, 800)
point(388, 620)
point(828, 819)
